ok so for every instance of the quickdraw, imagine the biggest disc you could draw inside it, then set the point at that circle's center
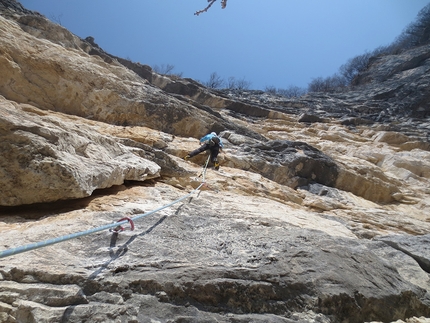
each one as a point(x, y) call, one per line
point(120, 228)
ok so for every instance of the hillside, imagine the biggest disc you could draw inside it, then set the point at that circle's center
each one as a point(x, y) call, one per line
point(319, 212)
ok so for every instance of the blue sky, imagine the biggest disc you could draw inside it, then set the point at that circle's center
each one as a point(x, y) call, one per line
point(276, 43)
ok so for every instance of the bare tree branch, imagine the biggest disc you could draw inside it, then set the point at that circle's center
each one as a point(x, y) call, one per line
point(215, 81)
point(211, 2)
point(205, 9)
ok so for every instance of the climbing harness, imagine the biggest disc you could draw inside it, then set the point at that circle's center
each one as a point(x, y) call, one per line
point(113, 227)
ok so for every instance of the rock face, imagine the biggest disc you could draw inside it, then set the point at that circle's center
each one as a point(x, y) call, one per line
point(46, 159)
point(320, 212)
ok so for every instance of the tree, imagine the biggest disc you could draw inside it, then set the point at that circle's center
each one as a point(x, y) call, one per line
point(56, 19)
point(354, 66)
point(214, 82)
point(290, 92)
point(270, 89)
point(329, 84)
point(234, 84)
point(316, 85)
point(165, 69)
point(243, 84)
point(211, 2)
point(415, 34)
point(419, 31)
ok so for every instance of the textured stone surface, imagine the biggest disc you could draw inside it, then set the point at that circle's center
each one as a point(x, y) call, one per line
point(46, 159)
point(319, 213)
point(54, 77)
point(416, 247)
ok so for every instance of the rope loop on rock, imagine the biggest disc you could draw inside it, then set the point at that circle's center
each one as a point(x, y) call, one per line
point(36, 245)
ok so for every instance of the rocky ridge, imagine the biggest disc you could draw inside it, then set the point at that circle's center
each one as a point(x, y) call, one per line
point(319, 213)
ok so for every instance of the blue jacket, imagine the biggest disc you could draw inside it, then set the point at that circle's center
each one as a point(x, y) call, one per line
point(208, 137)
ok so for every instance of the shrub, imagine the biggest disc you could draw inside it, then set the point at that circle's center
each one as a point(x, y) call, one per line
point(241, 84)
point(290, 92)
point(166, 69)
point(335, 83)
point(417, 33)
point(214, 82)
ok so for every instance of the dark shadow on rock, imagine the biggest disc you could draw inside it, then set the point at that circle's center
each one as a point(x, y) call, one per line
point(415, 247)
point(67, 313)
point(39, 210)
point(293, 163)
point(22, 213)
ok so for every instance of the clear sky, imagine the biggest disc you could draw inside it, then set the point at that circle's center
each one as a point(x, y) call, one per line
point(265, 42)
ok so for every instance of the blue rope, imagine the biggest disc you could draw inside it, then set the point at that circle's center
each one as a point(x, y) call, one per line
point(36, 245)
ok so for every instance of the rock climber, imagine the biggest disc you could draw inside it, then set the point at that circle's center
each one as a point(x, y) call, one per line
point(212, 142)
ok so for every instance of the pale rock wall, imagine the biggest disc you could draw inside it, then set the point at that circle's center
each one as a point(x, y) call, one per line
point(52, 77)
point(312, 217)
point(46, 159)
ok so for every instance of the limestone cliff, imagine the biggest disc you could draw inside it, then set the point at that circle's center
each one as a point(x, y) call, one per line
point(319, 213)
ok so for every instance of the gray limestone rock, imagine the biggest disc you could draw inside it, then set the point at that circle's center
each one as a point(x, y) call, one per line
point(46, 159)
point(348, 244)
point(416, 247)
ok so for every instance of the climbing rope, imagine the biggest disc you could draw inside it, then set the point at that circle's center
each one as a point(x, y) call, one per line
point(205, 167)
point(113, 227)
